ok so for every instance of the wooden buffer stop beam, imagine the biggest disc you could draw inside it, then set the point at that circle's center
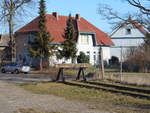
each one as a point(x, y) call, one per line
point(80, 66)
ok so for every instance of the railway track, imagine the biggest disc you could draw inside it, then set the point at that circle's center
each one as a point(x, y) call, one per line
point(121, 87)
point(114, 88)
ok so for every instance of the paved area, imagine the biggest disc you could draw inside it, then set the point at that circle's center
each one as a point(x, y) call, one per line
point(13, 98)
point(26, 78)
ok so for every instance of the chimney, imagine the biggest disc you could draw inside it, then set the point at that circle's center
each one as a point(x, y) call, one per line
point(55, 14)
point(129, 18)
point(77, 17)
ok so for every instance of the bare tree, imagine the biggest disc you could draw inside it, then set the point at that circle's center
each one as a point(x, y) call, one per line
point(143, 16)
point(115, 18)
point(143, 6)
point(9, 10)
point(140, 4)
point(138, 60)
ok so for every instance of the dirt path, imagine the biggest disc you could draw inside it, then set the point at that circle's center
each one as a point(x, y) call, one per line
point(13, 98)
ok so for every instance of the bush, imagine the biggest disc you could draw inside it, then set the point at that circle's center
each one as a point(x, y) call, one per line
point(82, 58)
point(114, 60)
point(138, 62)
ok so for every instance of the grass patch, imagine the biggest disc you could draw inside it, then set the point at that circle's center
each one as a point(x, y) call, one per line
point(98, 99)
point(126, 74)
point(32, 111)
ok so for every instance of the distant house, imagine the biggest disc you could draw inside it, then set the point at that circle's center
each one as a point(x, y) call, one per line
point(129, 34)
point(89, 37)
point(4, 41)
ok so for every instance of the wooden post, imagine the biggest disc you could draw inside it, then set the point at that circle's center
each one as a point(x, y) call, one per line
point(60, 74)
point(102, 64)
point(78, 75)
point(83, 75)
point(81, 69)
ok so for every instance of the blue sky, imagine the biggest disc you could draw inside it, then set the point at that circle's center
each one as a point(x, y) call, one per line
point(86, 8)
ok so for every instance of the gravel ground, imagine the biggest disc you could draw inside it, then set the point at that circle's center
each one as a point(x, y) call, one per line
point(24, 78)
point(13, 98)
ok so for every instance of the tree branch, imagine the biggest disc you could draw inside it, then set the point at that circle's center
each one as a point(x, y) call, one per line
point(138, 4)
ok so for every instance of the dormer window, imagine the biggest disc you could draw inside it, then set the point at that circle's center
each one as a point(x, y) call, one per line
point(128, 31)
point(85, 39)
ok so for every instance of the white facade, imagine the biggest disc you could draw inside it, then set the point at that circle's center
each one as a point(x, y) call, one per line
point(125, 37)
point(86, 43)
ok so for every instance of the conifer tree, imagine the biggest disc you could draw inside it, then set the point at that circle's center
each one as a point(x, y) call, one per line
point(69, 45)
point(40, 47)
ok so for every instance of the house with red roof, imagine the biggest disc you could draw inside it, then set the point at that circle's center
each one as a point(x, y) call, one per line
point(4, 44)
point(4, 41)
point(130, 34)
point(89, 39)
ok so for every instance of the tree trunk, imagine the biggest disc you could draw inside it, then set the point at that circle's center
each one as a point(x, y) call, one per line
point(12, 43)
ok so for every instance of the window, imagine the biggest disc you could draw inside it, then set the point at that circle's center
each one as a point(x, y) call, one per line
point(31, 38)
point(26, 52)
point(94, 57)
point(85, 39)
point(128, 31)
point(99, 55)
point(88, 54)
point(20, 57)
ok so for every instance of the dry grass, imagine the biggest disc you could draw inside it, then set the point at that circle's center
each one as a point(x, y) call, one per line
point(98, 99)
point(32, 111)
point(127, 73)
point(73, 72)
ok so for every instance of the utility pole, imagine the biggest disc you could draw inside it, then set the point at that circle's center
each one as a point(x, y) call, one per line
point(121, 63)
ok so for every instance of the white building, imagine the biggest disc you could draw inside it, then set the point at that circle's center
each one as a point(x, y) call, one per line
point(89, 38)
point(128, 35)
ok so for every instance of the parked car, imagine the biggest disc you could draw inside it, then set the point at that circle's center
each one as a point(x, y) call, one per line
point(15, 68)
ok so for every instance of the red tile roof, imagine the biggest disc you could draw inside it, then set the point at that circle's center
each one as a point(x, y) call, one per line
point(56, 27)
point(101, 37)
point(140, 27)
